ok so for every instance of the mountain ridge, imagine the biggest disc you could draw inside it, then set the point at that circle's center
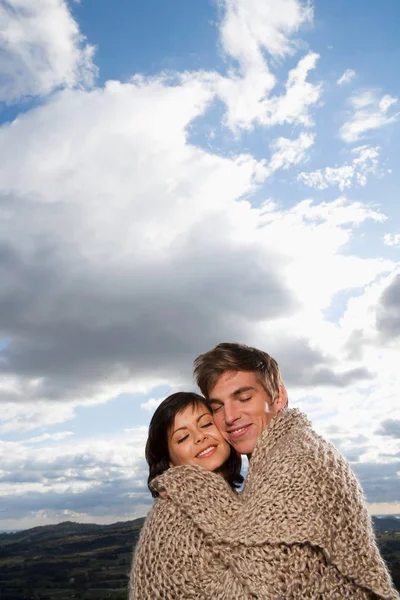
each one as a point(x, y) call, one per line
point(89, 561)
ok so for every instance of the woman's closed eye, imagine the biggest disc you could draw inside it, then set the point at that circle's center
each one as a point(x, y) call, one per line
point(182, 439)
point(208, 424)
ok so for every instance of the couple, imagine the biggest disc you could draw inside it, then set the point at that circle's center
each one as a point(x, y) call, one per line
point(298, 530)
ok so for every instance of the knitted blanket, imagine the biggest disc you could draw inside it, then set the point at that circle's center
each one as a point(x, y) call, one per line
point(173, 561)
point(300, 528)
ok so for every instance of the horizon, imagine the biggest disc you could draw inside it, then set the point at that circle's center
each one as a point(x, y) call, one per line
point(176, 175)
point(396, 517)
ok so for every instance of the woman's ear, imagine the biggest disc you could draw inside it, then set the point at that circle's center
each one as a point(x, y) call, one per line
point(171, 465)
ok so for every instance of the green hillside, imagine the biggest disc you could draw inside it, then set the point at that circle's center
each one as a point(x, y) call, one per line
point(91, 562)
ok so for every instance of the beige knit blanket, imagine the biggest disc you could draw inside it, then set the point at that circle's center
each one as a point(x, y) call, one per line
point(300, 529)
point(173, 561)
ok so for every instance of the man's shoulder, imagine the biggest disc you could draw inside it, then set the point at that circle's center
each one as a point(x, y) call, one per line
point(296, 450)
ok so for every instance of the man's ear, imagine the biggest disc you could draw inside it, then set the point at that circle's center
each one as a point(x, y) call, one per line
point(282, 399)
point(171, 465)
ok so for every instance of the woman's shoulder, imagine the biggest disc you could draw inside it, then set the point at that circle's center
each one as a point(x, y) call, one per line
point(165, 521)
point(163, 510)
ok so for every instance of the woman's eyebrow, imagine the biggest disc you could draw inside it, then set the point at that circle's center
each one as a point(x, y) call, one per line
point(179, 429)
point(186, 427)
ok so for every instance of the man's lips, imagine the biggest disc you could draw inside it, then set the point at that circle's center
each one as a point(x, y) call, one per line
point(238, 431)
point(209, 451)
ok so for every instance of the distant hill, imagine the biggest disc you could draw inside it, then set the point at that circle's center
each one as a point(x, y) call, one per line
point(386, 523)
point(92, 562)
point(69, 560)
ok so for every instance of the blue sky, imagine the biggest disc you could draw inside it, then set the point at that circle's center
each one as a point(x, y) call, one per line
point(176, 174)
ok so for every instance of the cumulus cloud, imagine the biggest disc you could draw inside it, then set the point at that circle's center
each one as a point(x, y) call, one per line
point(380, 481)
point(364, 163)
point(292, 107)
point(347, 76)
point(41, 49)
point(368, 112)
point(287, 152)
point(126, 250)
point(115, 265)
point(101, 478)
point(388, 312)
point(27, 415)
point(151, 404)
point(384, 508)
point(45, 437)
point(245, 107)
point(248, 27)
point(390, 428)
point(391, 239)
point(249, 33)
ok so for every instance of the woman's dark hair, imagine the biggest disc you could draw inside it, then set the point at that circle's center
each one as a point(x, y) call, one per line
point(157, 454)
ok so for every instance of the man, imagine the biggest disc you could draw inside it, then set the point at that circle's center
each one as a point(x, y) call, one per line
point(303, 524)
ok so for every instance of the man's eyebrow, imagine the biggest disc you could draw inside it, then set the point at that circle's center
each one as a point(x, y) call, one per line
point(197, 420)
point(238, 392)
point(242, 390)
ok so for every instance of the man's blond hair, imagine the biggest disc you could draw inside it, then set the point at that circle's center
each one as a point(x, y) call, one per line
point(209, 367)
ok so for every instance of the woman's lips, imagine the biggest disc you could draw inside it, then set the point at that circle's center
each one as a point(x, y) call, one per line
point(209, 451)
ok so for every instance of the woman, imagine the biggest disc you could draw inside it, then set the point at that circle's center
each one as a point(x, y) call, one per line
point(172, 558)
point(182, 432)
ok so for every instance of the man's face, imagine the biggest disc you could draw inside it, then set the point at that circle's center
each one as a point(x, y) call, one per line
point(242, 408)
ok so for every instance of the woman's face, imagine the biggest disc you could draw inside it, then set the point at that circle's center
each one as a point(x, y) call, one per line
point(193, 439)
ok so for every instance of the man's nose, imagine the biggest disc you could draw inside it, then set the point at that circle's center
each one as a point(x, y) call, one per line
point(231, 414)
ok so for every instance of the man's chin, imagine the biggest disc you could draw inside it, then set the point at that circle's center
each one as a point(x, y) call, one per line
point(243, 446)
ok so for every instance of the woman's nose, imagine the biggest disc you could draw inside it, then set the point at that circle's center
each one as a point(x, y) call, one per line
point(201, 435)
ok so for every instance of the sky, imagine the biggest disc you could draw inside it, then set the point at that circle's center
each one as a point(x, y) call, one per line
point(177, 174)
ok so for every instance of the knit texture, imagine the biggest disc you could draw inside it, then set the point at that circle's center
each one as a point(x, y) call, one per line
point(173, 560)
point(300, 529)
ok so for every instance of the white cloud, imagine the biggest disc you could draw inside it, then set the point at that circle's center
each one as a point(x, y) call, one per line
point(249, 30)
point(347, 76)
point(346, 176)
point(384, 508)
point(122, 291)
point(101, 477)
point(312, 235)
point(151, 404)
point(41, 49)
point(249, 102)
point(127, 250)
point(287, 152)
point(371, 329)
point(368, 113)
point(391, 239)
point(292, 107)
point(118, 264)
point(21, 417)
point(249, 27)
point(102, 145)
point(46, 437)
